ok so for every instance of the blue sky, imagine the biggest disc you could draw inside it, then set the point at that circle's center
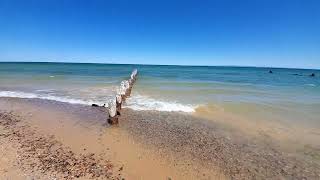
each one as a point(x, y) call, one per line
point(279, 33)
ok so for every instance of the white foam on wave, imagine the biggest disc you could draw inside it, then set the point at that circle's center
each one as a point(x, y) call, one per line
point(313, 85)
point(139, 102)
point(45, 90)
point(136, 102)
point(19, 94)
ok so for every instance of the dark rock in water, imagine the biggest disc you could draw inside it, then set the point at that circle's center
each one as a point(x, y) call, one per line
point(270, 72)
point(96, 105)
point(312, 75)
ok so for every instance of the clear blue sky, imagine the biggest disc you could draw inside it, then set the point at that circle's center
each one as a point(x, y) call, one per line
point(281, 33)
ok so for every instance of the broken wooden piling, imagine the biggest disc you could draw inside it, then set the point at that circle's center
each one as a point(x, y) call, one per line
point(112, 111)
point(124, 91)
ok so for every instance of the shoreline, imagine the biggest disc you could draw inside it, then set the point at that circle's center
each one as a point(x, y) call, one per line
point(170, 145)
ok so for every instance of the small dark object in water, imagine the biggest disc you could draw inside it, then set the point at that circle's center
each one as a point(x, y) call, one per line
point(270, 72)
point(312, 75)
point(296, 74)
point(96, 105)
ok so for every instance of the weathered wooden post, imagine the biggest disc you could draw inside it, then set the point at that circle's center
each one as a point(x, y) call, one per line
point(132, 80)
point(134, 74)
point(112, 111)
point(127, 86)
point(115, 104)
point(130, 86)
point(118, 101)
point(123, 91)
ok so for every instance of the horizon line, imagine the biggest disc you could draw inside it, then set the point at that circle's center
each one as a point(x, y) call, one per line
point(111, 63)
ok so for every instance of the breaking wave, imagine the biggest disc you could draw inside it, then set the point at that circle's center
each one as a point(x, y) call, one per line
point(136, 102)
point(19, 94)
point(139, 102)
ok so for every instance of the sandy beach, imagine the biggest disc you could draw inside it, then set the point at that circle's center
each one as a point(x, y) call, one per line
point(159, 90)
point(44, 139)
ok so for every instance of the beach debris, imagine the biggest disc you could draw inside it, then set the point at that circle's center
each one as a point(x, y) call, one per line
point(123, 91)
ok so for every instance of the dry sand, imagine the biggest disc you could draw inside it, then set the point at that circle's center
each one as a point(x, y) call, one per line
point(47, 139)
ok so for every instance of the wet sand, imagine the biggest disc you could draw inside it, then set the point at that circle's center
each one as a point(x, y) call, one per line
point(145, 145)
point(289, 136)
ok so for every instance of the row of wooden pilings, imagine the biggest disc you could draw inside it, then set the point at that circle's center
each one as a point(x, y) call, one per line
point(124, 91)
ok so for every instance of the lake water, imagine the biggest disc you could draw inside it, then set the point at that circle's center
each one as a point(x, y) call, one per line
point(286, 94)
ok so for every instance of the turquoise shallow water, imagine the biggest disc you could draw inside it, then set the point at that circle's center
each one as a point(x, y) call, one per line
point(286, 94)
